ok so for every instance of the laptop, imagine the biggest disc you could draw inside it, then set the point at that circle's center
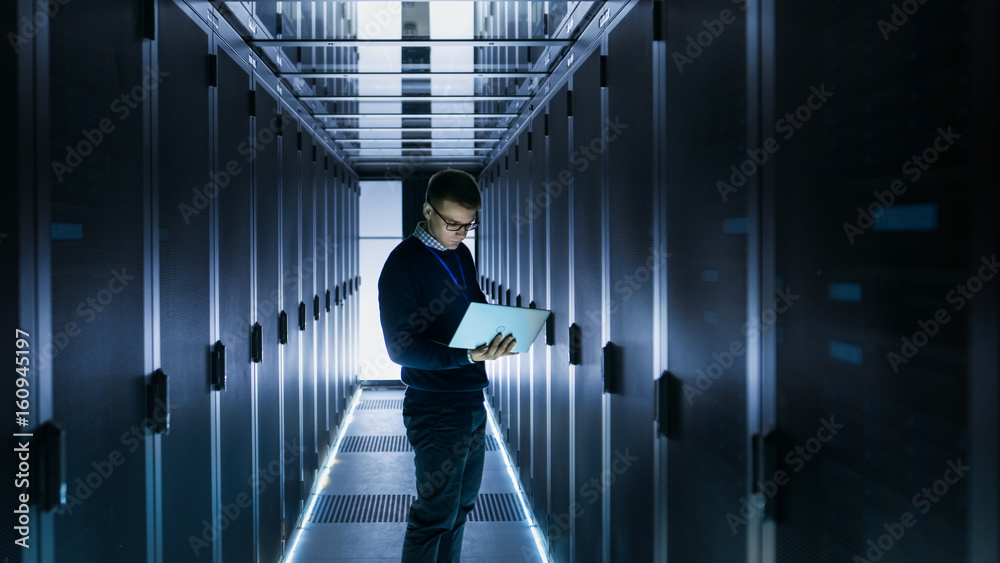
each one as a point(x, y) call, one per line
point(483, 321)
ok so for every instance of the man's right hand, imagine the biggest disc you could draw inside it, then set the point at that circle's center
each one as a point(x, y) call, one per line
point(498, 348)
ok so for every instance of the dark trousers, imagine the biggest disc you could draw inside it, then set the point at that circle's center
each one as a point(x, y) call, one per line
point(449, 442)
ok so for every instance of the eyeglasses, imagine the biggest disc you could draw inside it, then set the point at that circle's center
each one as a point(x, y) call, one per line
point(451, 226)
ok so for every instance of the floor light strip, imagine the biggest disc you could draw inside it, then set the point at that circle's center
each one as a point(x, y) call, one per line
point(535, 530)
point(324, 476)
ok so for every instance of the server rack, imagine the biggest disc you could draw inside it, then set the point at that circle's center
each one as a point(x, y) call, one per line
point(709, 344)
point(589, 145)
point(185, 298)
point(557, 223)
point(889, 370)
point(631, 245)
point(233, 386)
point(535, 215)
point(267, 206)
point(744, 371)
point(511, 274)
point(522, 455)
point(206, 444)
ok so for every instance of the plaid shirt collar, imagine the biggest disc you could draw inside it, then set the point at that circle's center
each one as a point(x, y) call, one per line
point(427, 238)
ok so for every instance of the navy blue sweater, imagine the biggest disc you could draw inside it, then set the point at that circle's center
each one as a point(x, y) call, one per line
point(420, 304)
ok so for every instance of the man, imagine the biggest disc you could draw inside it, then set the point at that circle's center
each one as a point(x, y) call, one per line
point(425, 287)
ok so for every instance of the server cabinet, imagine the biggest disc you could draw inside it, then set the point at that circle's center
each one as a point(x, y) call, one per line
point(323, 355)
point(511, 365)
point(491, 212)
point(345, 268)
point(337, 226)
point(331, 287)
point(482, 248)
point(333, 206)
point(495, 232)
point(487, 238)
point(355, 279)
point(590, 140)
point(708, 498)
point(484, 236)
point(353, 249)
point(342, 284)
point(231, 376)
point(95, 299)
point(348, 316)
point(292, 476)
point(522, 457)
point(558, 185)
point(341, 343)
point(874, 176)
point(631, 273)
point(351, 271)
point(502, 264)
point(497, 183)
point(307, 303)
point(535, 222)
point(485, 231)
point(348, 301)
point(267, 206)
point(484, 242)
point(185, 301)
point(501, 261)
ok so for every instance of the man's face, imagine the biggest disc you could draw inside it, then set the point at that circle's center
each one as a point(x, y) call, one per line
point(447, 212)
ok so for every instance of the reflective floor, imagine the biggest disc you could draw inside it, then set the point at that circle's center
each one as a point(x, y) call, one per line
point(360, 508)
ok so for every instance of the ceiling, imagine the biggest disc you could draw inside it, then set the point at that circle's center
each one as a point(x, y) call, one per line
point(414, 86)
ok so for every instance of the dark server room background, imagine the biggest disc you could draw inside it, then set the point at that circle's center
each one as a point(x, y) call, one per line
point(766, 230)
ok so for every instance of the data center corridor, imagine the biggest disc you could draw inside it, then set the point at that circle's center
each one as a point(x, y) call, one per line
point(765, 233)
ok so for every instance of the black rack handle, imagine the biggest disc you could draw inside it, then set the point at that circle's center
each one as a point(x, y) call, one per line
point(575, 344)
point(219, 366)
point(257, 344)
point(609, 367)
point(766, 445)
point(51, 441)
point(550, 329)
point(158, 404)
point(302, 315)
point(282, 328)
point(668, 390)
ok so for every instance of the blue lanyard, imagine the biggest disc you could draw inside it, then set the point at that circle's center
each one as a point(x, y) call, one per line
point(460, 270)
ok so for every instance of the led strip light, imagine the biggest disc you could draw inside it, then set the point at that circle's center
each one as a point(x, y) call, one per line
point(324, 478)
point(535, 530)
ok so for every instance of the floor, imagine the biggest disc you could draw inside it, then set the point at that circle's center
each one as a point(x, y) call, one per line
point(360, 512)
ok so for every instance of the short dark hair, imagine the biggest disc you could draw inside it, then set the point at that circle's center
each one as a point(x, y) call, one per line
point(456, 185)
